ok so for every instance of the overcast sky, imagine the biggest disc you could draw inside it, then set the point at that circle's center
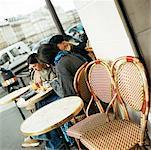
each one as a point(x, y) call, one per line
point(9, 8)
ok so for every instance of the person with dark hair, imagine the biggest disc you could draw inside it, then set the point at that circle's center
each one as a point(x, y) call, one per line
point(46, 53)
point(32, 59)
point(64, 43)
point(40, 74)
point(66, 65)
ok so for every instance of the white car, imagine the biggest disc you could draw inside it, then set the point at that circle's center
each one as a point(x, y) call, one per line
point(15, 56)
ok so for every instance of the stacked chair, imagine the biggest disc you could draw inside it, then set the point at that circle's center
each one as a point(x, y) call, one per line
point(81, 87)
point(125, 82)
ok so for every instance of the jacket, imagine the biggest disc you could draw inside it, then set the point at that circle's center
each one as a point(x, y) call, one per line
point(65, 71)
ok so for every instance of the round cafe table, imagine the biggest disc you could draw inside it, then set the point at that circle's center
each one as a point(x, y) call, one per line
point(52, 116)
point(13, 96)
point(36, 98)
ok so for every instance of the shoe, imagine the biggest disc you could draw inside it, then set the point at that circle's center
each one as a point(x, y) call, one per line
point(28, 142)
point(21, 103)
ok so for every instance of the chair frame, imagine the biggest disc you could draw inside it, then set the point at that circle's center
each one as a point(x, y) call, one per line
point(77, 78)
point(103, 118)
point(96, 99)
point(145, 106)
point(78, 92)
point(76, 81)
point(134, 131)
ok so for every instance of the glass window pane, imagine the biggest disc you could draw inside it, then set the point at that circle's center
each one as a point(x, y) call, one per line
point(15, 52)
point(24, 26)
point(29, 21)
point(72, 24)
point(4, 59)
point(68, 16)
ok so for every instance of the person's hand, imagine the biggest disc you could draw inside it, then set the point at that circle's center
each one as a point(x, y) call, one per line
point(34, 86)
point(46, 85)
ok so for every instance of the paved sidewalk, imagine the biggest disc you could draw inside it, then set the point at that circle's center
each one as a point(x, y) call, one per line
point(10, 135)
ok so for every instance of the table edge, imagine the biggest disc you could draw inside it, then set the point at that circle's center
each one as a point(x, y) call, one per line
point(57, 124)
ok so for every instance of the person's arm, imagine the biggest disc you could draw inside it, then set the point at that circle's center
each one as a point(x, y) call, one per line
point(51, 74)
point(63, 86)
point(65, 78)
point(37, 78)
point(57, 87)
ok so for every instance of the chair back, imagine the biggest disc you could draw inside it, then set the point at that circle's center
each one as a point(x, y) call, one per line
point(101, 82)
point(131, 84)
point(80, 84)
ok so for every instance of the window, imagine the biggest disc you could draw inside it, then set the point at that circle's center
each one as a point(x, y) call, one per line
point(4, 59)
point(15, 52)
point(30, 25)
point(70, 19)
point(66, 12)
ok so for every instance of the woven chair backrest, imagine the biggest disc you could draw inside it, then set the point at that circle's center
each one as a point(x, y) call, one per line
point(100, 81)
point(131, 82)
point(80, 84)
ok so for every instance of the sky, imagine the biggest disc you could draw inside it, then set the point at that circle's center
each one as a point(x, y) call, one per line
point(9, 8)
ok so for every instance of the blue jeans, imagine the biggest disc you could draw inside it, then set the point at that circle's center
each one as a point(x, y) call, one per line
point(51, 98)
point(64, 128)
point(52, 138)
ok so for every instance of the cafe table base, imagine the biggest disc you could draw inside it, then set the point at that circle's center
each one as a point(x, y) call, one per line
point(20, 111)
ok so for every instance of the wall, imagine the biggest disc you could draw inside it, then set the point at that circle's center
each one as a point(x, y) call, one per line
point(139, 15)
point(104, 28)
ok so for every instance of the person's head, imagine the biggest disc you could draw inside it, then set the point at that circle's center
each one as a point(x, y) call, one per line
point(46, 53)
point(60, 41)
point(33, 62)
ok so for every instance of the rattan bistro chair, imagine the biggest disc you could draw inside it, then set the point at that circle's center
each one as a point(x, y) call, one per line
point(132, 88)
point(81, 90)
point(100, 85)
point(80, 84)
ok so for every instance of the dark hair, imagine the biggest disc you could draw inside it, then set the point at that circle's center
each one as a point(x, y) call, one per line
point(56, 39)
point(47, 52)
point(32, 59)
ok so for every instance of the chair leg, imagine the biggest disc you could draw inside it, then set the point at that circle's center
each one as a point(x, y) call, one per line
point(77, 140)
point(78, 144)
point(143, 148)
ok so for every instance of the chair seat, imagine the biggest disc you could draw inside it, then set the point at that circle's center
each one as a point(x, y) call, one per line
point(87, 124)
point(114, 135)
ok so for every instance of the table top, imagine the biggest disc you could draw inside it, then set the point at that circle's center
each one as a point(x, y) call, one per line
point(12, 96)
point(39, 96)
point(52, 116)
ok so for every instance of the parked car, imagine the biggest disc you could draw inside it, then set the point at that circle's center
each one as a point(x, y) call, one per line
point(14, 57)
point(77, 32)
